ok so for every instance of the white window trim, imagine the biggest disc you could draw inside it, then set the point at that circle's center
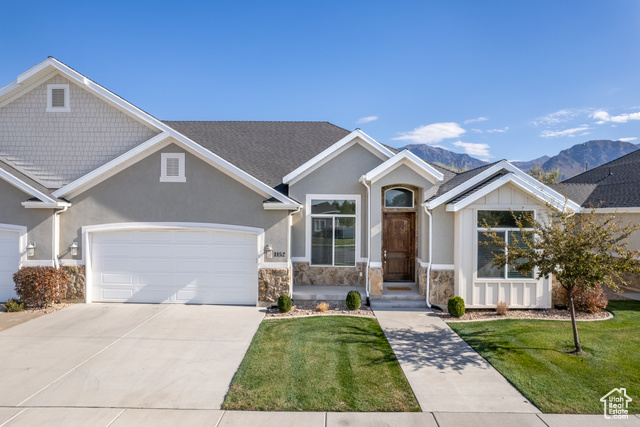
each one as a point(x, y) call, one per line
point(163, 169)
point(505, 279)
point(308, 231)
point(413, 198)
point(50, 107)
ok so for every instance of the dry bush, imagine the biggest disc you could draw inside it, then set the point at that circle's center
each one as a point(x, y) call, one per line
point(40, 287)
point(502, 308)
point(322, 307)
point(586, 300)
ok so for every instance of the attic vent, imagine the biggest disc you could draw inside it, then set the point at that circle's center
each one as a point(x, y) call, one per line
point(58, 98)
point(172, 169)
point(173, 166)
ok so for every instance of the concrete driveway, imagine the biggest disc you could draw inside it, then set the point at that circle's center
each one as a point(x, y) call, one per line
point(124, 356)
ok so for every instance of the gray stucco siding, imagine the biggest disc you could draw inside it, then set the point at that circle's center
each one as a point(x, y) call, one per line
point(340, 175)
point(58, 147)
point(137, 195)
point(38, 221)
point(443, 235)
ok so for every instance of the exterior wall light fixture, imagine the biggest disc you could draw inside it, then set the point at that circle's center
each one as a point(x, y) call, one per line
point(73, 248)
point(268, 251)
point(31, 249)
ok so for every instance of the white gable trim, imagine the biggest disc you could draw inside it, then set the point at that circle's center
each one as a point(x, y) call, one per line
point(409, 159)
point(18, 183)
point(370, 144)
point(536, 191)
point(92, 177)
point(503, 164)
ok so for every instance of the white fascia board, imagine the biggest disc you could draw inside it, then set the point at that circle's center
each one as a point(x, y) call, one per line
point(408, 158)
point(503, 164)
point(614, 210)
point(18, 183)
point(334, 150)
point(280, 206)
point(45, 205)
point(535, 191)
point(8, 88)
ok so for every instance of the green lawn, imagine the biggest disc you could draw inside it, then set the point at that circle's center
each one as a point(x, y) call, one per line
point(325, 363)
point(532, 354)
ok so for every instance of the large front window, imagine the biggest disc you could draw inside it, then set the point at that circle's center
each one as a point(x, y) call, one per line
point(333, 232)
point(503, 223)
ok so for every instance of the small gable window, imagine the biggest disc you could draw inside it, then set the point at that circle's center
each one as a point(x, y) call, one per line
point(58, 98)
point(172, 169)
point(398, 198)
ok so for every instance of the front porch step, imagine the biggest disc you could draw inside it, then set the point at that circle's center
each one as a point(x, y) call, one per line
point(385, 304)
point(409, 296)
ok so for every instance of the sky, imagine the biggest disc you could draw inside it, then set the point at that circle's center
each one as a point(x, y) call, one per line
point(495, 79)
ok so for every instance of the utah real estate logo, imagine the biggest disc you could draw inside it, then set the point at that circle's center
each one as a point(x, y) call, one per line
point(616, 403)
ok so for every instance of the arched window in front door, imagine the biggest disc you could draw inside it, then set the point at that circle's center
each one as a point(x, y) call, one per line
point(398, 198)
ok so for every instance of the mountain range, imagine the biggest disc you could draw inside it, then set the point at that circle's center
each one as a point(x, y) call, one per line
point(570, 162)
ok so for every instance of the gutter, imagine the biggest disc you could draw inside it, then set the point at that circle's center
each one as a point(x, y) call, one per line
point(430, 253)
point(366, 282)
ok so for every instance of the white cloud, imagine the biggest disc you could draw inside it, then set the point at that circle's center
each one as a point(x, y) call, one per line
point(497, 130)
point(603, 117)
point(480, 150)
point(560, 116)
point(432, 134)
point(477, 119)
point(366, 119)
point(627, 139)
point(567, 132)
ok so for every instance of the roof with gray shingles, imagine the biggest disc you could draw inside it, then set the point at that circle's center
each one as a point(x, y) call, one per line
point(613, 185)
point(266, 150)
point(10, 168)
point(478, 187)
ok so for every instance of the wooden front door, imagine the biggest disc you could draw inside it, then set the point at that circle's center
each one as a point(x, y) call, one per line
point(398, 246)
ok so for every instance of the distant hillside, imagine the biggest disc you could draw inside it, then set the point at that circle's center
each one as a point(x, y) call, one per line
point(572, 160)
point(444, 157)
point(525, 166)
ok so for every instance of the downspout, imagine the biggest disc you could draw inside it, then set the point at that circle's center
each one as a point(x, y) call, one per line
point(366, 278)
point(289, 263)
point(430, 254)
point(56, 236)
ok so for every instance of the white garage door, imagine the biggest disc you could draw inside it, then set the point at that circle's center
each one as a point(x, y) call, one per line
point(174, 266)
point(9, 263)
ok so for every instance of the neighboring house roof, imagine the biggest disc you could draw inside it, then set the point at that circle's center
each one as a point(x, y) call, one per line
point(266, 150)
point(612, 185)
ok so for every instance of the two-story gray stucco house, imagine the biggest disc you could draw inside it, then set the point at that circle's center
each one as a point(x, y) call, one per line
point(143, 210)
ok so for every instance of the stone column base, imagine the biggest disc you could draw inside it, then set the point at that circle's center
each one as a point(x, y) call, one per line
point(441, 287)
point(375, 281)
point(75, 282)
point(273, 282)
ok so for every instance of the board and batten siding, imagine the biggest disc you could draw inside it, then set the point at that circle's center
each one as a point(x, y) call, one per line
point(486, 293)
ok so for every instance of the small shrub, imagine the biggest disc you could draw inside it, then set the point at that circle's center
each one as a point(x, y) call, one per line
point(588, 301)
point(284, 303)
point(354, 300)
point(502, 308)
point(40, 286)
point(13, 305)
point(456, 306)
point(322, 307)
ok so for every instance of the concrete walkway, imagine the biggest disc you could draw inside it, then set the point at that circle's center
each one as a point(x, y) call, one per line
point(119, 417)
point(632, 295)
point(445, 373)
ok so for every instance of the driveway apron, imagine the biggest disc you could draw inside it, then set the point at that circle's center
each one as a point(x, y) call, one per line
point(445, 373)
point(126, 356)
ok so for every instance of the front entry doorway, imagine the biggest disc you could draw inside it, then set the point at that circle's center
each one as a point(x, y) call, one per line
point(398, 246)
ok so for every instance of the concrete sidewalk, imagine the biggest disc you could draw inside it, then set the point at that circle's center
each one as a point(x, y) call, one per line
point(445, 373)
point(120, 417)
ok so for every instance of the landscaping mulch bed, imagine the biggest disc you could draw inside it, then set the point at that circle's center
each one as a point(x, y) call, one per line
point(548, 314)
point(310, 310)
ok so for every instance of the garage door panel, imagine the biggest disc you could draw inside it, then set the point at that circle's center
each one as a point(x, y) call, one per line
point(178, 266)
point(9, 263)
